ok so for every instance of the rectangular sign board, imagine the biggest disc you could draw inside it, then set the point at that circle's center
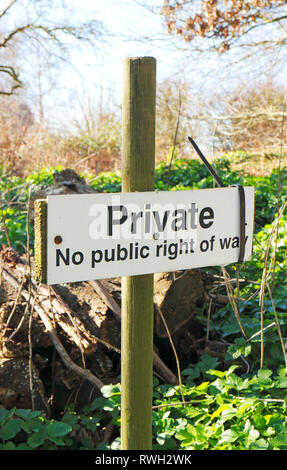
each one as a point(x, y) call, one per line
point(97, 236)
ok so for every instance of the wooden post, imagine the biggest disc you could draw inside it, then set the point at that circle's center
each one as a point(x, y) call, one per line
point(138, 154)
point(40, 243)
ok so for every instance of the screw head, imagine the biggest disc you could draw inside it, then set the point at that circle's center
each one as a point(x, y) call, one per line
point(58, 239)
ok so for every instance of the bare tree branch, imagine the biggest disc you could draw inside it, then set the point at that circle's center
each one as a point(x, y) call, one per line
point(7, 8)
point(48, 29)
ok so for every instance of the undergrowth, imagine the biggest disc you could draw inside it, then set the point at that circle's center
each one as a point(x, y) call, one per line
point(235, 403)
point(224, 412)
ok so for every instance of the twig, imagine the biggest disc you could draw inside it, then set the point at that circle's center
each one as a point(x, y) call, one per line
point(106, 297)
point(14, 307)
point(208, 319)
point(51, 289)
point(31, 353)
point(277, 323)
point(199, 401)
point(232, 301)
point(175, 137)
point(264, 329)
point(29, 302)
point(174, 351)
point(73, 322)
point(84, 373)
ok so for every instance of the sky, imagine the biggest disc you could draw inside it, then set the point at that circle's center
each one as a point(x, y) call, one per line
point(127, 23)
point(97, 72)
point(131, 30)
point(124, 20)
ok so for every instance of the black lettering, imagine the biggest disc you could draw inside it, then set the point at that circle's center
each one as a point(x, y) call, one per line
point(183, 244)
point(113, 221)
point(142, 251)
point(97, 256)
point(136, 254)
point(158, 249)
point(59, 255)
point(224, 243)
point(172, 250)
point(235, 242)
point(79, 255)
point(112, 257)
point(206, 214)
point(204, 245)
point(135, 216)
point(122, 253)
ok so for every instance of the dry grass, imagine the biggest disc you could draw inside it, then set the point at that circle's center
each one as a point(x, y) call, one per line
point(258, 164)
point(36, 147)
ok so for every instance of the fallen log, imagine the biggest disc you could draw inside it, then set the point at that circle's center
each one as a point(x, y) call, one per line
point(84, 373)
point(76, 327)
point(178, 297)
point(159, 365)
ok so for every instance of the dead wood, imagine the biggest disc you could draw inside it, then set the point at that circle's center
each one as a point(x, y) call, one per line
point(159, 365)
point(178, 297)
point(84, 373)
point(52, 307)
point(15, 385)
point(82, 323)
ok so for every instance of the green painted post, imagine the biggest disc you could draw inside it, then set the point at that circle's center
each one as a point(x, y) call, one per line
point(138, 164)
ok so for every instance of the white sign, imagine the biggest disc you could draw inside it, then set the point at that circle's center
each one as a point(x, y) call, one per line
point(97, 236)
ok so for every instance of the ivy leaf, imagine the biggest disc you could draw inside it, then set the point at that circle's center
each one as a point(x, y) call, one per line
point(37, 438)
point(186, 436)
point(6, 414)
point(280, 441)
point(27, 414)
point(239, 348)
point(57, 429)
point(260, 444)
point(281, 382)
point(10, 429)
point(229, 435)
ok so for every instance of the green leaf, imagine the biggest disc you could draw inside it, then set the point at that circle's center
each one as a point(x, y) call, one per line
point(57, 440)
point(250, 434)
point(264, 374)
point(225, 411)
point(9, 446)
point(239, 348)
point(187, 434)
point(37, 438)
point(96, 404)
point(27, 414)
point(71, 419)
point(10, 429)
point(110, 390)
point(6, 414)
point(228, 436)
point(281, 382)
point(57, 429)
point(260, 444)
point(280, 441)
point(207, 362)
point(217, 373)
point(33, 424)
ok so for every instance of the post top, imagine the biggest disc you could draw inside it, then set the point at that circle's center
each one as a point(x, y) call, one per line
point(140, 58)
